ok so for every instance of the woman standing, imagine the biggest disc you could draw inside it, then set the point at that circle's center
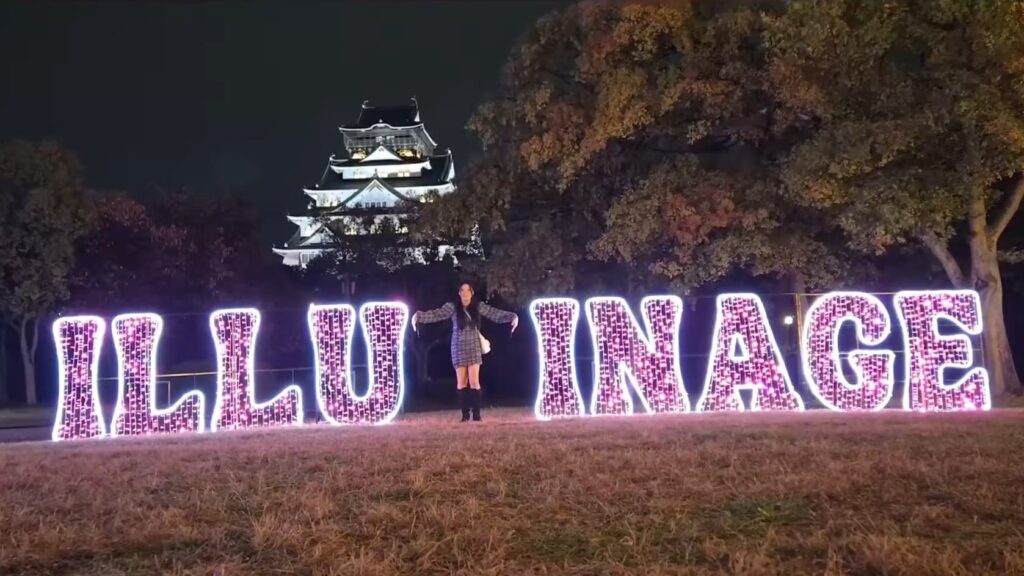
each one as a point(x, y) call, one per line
point(467, 342)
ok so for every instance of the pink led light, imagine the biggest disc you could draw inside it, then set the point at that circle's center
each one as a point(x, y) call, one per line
point(744, 355)
point(136, 337)
point(555, 320)
point(79, 340)
point(930, 353)
point(822, 360)
point(648, 359)
point(234, 335)
point(331, 328)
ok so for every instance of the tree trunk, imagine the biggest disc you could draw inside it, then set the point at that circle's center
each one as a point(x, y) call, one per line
point(987, 281)
point(5, 394)
point(421, 352)
point(29, 339)
point(799, 286)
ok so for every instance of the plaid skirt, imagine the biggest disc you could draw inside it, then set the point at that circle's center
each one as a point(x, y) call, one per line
point(466, 349)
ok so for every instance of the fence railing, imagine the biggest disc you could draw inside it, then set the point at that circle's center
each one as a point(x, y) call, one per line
point(269, 380)
point(519, 375)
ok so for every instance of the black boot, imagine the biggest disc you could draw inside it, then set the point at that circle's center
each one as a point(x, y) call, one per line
point(475, 396)
point(464, 400)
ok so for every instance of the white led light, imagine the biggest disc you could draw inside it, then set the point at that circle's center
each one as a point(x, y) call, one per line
point(648, 359)
point(555, 321)
point(234, 335)
point(930, 354)
point(822, 361)
point(744, 355)
point(331, 327)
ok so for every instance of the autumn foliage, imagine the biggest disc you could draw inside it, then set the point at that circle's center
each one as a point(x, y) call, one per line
point(680, 143)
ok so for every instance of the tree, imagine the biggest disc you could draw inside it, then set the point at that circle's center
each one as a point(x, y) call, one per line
point(181, 252)
point(181, 255)
point(41, 215)
point(116, 257)
point(637, 143)
point(219, 257)
point(919, 109)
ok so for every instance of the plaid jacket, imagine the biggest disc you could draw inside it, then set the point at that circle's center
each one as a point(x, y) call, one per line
point(466, 349)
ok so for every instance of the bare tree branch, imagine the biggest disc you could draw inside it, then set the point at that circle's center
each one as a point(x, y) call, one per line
point(23, 337)
point(1007, 211)
point(940, 250)
point(568, 80)
point(35, 337)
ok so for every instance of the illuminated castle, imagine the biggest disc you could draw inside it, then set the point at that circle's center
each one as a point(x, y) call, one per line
point(390, 164)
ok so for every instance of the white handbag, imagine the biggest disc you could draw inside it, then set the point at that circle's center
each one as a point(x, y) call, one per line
point(485, 344)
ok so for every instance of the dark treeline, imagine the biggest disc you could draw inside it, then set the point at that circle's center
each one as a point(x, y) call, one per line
point(690, 147)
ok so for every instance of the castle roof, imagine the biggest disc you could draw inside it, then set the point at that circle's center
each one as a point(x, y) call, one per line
point(395, 116)
point(438, 174)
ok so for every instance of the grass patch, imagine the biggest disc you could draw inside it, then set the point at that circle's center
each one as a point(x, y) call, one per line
point(26, 416)
point(751, 494)
point(763, 513)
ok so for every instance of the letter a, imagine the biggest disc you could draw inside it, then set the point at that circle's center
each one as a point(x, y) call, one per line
point(744, 355)
point(331, 328)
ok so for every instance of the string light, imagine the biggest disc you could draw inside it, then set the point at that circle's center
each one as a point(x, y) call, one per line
point(79, 414)
point(136, 337)
point(744, 355)
point(822, 360)
point(555, 320)
point(930, 354)
point(648, 359)
point(331, 328)
point(234, 335)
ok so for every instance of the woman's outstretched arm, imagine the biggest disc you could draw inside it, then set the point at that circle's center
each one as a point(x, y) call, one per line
point(436, 315)
point(495, 315)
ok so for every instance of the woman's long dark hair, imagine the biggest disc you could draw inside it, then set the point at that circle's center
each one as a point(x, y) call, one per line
point(473, 309)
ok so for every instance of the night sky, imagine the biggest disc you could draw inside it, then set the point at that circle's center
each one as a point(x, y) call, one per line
point(242, 97)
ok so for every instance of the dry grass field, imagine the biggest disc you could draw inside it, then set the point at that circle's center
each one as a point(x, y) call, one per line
point(742, 494)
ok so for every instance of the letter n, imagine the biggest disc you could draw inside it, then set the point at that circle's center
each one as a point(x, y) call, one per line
point(647, 359)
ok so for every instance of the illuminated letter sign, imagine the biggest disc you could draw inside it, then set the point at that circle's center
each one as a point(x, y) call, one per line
point(555, 320)
point(930, 354)
point(628, 359)
point(79, 415)
point(234, 334)
point(823, 366)
point(136, 337)
point(331, 328)
point(622, 351)
point(744, 355)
